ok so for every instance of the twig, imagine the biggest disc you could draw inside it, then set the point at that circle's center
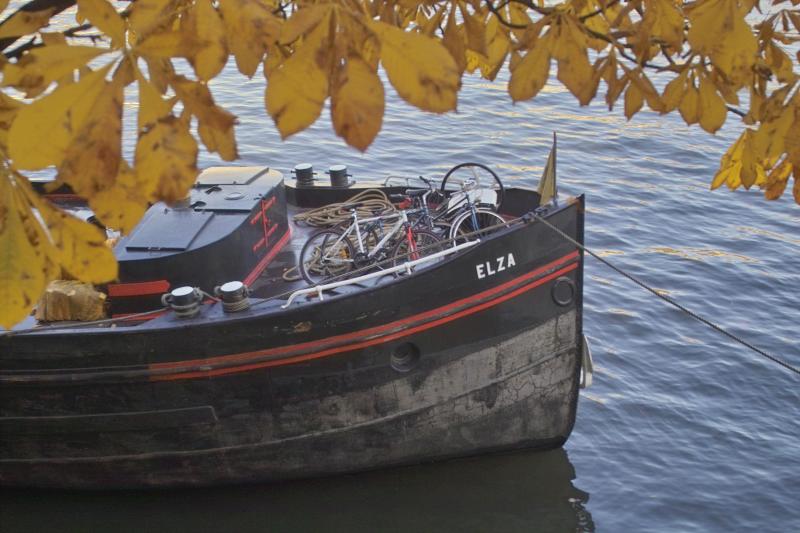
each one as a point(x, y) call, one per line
point(504, 22)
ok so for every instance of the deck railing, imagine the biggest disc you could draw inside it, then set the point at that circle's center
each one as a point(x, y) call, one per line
point(407, 266)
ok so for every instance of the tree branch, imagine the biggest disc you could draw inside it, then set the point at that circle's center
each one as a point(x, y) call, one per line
point(35, 5)
point(17, 52)
point(533, 7)
point(504, 22)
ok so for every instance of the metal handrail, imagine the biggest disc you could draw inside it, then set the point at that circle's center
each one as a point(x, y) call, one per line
point(407, 266)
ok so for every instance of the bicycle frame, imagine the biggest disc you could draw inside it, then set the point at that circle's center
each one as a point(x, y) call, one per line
point(355, 227)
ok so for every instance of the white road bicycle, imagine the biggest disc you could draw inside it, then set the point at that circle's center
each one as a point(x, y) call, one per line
point(334, 252)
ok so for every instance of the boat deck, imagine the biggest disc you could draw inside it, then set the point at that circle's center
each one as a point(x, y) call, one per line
point(281, 277)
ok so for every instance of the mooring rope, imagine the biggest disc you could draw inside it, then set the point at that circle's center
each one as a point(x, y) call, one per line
point(669, 300)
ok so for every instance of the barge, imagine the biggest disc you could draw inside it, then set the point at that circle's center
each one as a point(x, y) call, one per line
point(478, 351)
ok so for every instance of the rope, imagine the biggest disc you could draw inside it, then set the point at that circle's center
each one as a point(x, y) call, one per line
point(292, 274)
point(235, 307)
point(670, 301)
point(373, 200)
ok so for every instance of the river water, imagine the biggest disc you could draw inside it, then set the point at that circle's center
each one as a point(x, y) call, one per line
point(682, 430)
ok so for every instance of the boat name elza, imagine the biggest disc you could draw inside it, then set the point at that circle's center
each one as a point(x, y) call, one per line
point(501, 263)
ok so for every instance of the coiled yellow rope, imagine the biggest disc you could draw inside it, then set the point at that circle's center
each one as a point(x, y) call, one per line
point(373, 201)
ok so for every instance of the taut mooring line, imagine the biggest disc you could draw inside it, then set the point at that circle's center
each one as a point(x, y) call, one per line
point(669, 300)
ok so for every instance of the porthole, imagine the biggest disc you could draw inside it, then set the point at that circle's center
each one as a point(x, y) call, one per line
point(563, 291)
point(405, 357)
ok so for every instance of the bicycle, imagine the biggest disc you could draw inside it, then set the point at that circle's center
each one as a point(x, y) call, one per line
point(331, 252)
point(466, 211)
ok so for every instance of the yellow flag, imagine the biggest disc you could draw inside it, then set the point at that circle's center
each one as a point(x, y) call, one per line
point(547, 184)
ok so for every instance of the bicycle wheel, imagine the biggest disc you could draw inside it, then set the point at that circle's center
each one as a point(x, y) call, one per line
point(425, 243)
point(464, 229)
point(485, 179)
point(326, 253)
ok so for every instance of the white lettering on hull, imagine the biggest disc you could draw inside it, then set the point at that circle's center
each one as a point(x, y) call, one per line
point(490, 268)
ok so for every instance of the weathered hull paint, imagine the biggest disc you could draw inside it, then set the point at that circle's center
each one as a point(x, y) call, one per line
point(520, 392)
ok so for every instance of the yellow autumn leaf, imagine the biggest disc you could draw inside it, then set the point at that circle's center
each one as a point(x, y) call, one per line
point(276, 55)
point(718, 29)
point(453, 40)
point(148, 15)
point(197, 99)
point(475, 30)
point(690, 104)
point(531, 73)
point(296, 91)
point(792, 143)
point(52, 38)
point(518, 16)
point(780, 63)
point(596, 23)
point(363, 43)
point(769, 141)
point(25, 22)
point(216, 124)
point(303, 21)
point(357, 104)
point(123, 204)
point(76, 246)
point(428, 27)
point(634, 99)
point(161, 70)
point(673, 92)
point(615, 84)
point(82, 247)
point(151, 106)
point(250, 27)
point(731, 157)
point(420, 68)
point(39, 237)
point(167, 155)
point(34, 72)
point(43, 130)
point(8, 111)
point(22, 277)
point(664, 20)
point(220, 140)
point(777, 179)
point(474, 61)
point(92, 159)
point(712, 107)
point(105, 18)
point(212, 56)
point(496, 57)
point(168, 44)
point(568, 46)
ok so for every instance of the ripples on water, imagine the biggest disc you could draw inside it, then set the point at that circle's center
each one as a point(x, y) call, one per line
point(682, 430)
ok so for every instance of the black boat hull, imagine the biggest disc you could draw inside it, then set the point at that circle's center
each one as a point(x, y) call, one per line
point(480, 353)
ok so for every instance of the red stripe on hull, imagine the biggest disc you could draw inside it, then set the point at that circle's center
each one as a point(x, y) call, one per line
point(243, 357)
